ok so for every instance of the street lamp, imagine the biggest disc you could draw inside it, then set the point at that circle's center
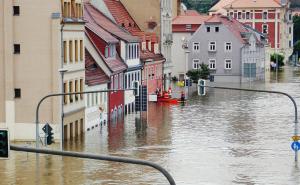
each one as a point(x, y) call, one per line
point(62, 72)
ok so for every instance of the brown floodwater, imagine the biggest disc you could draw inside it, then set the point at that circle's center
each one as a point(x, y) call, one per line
point(225, 137)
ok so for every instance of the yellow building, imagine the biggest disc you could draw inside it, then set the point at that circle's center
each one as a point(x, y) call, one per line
point(33, 34)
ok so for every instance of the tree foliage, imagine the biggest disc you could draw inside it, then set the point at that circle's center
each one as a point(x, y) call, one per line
point(296, 21)
point(297, 46)
point(201, 6)
point(201, 73)
point(279, 58)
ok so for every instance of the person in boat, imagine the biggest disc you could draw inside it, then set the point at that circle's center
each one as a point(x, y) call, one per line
point(170, 92)
point(157, 92)
point(182, 97)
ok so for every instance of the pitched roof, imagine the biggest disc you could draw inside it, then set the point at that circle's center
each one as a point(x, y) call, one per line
point(116, 64)
point(106, 24)
point(150, 55)
point(253, 4)
point(94, 75)
point(219, 7)
point(190, 12)
point(94, 27)
point(124, 19)
point(233, 25)
point(190, 19)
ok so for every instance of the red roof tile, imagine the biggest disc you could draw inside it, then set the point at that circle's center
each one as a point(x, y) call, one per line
point(94, 75)
point(94, 27)
point(106, 24)
point(149, 55)
point(124, 19)
point(190, 19)
point(116, 65)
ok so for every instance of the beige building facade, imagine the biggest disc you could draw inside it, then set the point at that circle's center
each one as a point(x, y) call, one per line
point(156, 16)
point(31, 45)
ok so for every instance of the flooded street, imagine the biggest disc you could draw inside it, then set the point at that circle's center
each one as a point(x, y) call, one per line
point(225, 137)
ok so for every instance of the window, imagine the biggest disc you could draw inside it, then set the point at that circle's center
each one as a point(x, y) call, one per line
point(71, 51)
point(290, 43)
point(228, 46)
point(247, 15)
point(106, 51)
point(239, 15)
point(265, 28)
point(290, 16)
point(65, 52)
point(17, 49)
point(81, 88)
point(16, 10)
point(228, 64)
point(81, 50)
point(188, 27)
point(265, 15)
point(73, 8)
point(112, 50)
point(66, 9)
point(17, 93)
point(196, 46)
point(76, 90)
point(70, 91)
point(207, 29)
point(212, 64)
point(212, 46)
point(250, 70)
point(65, 90)
point(196, 64)
point(290, 30)
point(217, 29)
point(76, 51)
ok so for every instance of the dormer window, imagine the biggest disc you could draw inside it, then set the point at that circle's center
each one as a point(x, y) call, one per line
point(110, 51)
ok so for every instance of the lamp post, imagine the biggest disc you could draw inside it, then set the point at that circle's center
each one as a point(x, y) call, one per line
point(62, 72)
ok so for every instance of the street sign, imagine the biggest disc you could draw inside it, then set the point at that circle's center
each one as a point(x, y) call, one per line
point(296, 138)
point(295, 145)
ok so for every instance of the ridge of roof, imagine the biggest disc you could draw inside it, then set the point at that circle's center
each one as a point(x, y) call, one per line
point(105, 23)
point(95, 28)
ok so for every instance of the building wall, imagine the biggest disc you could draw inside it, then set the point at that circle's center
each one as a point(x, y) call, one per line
point(93, 102)
point(178, 53)
point(116, 98)
point(220, 55)
point(153, 76)
point(35, 69)
point(282, 22)
point(2, 70)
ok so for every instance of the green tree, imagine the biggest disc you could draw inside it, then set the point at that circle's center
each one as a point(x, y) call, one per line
point(195, 74)
point(297, 46)
point(279, 58)
point(296, 21)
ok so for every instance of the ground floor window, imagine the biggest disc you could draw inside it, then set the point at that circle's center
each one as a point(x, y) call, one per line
point(249, 70)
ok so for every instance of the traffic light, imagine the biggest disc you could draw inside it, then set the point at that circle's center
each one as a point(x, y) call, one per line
point(4, 143)
point(135, 86)
point(201, 87)
point(49, 134)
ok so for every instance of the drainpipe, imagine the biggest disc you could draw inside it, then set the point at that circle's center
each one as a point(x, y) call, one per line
point(62, 86)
